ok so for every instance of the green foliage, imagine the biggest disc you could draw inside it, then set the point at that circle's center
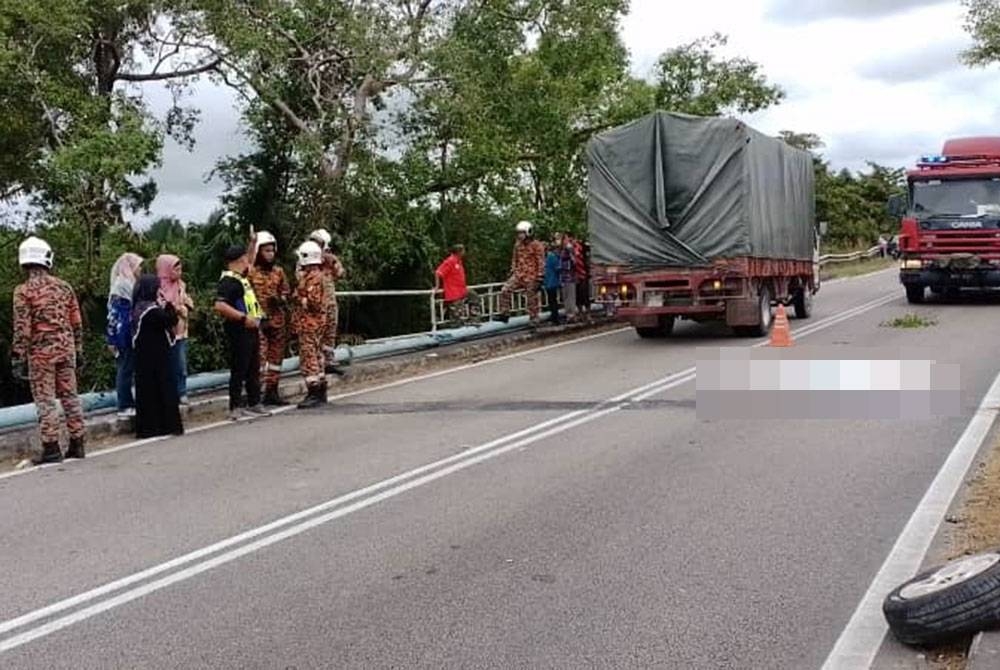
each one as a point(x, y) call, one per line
point(982, 21)
point(694, 79)
point(852, 204)
point(909, 321)
point(401, 130)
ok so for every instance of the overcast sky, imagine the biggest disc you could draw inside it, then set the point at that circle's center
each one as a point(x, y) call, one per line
point(876, 79)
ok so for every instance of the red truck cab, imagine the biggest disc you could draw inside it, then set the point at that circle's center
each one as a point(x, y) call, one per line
point(950, 231)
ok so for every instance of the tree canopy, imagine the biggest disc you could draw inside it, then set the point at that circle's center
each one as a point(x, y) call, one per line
point(403, 126)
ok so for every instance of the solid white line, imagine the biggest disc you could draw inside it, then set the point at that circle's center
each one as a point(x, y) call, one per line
point(804, 332)
point(801, 332)
point(860, 641)
point(524, 437)
point(349, 394)
point(221, 559)
point(399, 382)
point(12, 624)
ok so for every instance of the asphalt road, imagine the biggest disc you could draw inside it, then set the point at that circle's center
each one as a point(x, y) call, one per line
point(561, 508)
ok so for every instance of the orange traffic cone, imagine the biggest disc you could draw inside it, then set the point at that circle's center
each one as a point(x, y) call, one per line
point(781, 333)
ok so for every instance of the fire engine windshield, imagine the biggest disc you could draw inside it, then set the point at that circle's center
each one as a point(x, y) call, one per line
point(970, 198)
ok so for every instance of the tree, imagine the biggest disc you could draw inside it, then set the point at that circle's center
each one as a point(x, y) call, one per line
point(82, 137)
point(982, 21)
point(806, 141)
point(694, 79)
point(320, 64)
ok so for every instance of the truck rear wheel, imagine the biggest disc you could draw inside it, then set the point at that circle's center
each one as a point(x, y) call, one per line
point(662, 329)
point(763, 327)
point(803, 303)
point(914, 293)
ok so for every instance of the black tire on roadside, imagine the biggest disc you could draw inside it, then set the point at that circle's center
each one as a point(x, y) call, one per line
point(959, 598)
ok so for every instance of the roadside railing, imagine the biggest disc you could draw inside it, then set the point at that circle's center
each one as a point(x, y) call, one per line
point(848, 257)
point(489, 295)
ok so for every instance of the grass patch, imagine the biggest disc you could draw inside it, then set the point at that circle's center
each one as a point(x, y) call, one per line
point(855, 268)
point(909, 321)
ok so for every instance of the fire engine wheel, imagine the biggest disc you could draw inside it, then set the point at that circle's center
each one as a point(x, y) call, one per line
point(914, 294)
point(803, 303)
point(958, 598)
point(663, 329)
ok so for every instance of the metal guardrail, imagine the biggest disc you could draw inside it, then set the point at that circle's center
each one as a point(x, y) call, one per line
point(846, 258)
point(489, 295)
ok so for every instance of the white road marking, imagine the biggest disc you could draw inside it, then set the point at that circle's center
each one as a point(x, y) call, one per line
point(860, 641)
point(368, 496)
point(805, 330)
point(349, 394)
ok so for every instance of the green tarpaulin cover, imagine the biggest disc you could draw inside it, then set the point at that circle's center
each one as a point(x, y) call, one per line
point(677, 190)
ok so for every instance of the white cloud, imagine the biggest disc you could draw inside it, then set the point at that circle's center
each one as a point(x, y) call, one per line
point(801, 11)
point(185, 190)
point(876, 80)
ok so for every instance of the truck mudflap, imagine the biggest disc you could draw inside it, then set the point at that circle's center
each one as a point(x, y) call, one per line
point(743, 311)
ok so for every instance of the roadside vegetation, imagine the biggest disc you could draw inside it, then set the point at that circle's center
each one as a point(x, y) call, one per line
point(910, 320)
point(856, 268)
point(403, 127)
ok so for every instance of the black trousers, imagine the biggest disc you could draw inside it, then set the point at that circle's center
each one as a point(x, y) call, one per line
point(244, 368)
point(552, 295)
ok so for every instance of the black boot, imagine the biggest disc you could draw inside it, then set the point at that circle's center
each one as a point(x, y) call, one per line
point(51, 453)
point(272, 398)
point(75, 449)
point(312, 399)
point(322, 392)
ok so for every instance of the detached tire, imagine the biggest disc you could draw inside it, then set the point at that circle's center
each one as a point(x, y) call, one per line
point(959, 598)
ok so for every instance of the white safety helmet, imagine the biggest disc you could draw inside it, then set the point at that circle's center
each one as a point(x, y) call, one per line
point(309, 253)
point(322, 238)
point(34, 251)
point(264, 238)
point(523, 227)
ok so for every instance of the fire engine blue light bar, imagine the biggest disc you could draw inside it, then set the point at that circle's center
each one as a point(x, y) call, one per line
point(934, 159)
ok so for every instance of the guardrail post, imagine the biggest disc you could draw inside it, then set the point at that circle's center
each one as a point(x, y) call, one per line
point(434, 320)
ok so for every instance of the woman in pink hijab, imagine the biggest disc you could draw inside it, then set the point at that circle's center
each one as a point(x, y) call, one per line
point(173, 290)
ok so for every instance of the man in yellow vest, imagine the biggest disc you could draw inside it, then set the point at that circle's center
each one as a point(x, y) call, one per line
point(236, 302)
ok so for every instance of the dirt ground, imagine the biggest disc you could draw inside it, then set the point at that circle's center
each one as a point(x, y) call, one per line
point(973, 527)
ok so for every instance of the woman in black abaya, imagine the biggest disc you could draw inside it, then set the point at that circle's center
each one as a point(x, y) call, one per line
point(157, 410)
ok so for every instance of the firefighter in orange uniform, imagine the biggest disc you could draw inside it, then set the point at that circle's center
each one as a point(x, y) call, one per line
point(47, 348)
point(310, 315)
point(272, 290)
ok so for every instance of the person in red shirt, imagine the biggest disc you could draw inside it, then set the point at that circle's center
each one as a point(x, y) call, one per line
point(458, 299)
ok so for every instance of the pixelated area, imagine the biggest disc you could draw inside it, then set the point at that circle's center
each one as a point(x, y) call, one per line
point(814, 383)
